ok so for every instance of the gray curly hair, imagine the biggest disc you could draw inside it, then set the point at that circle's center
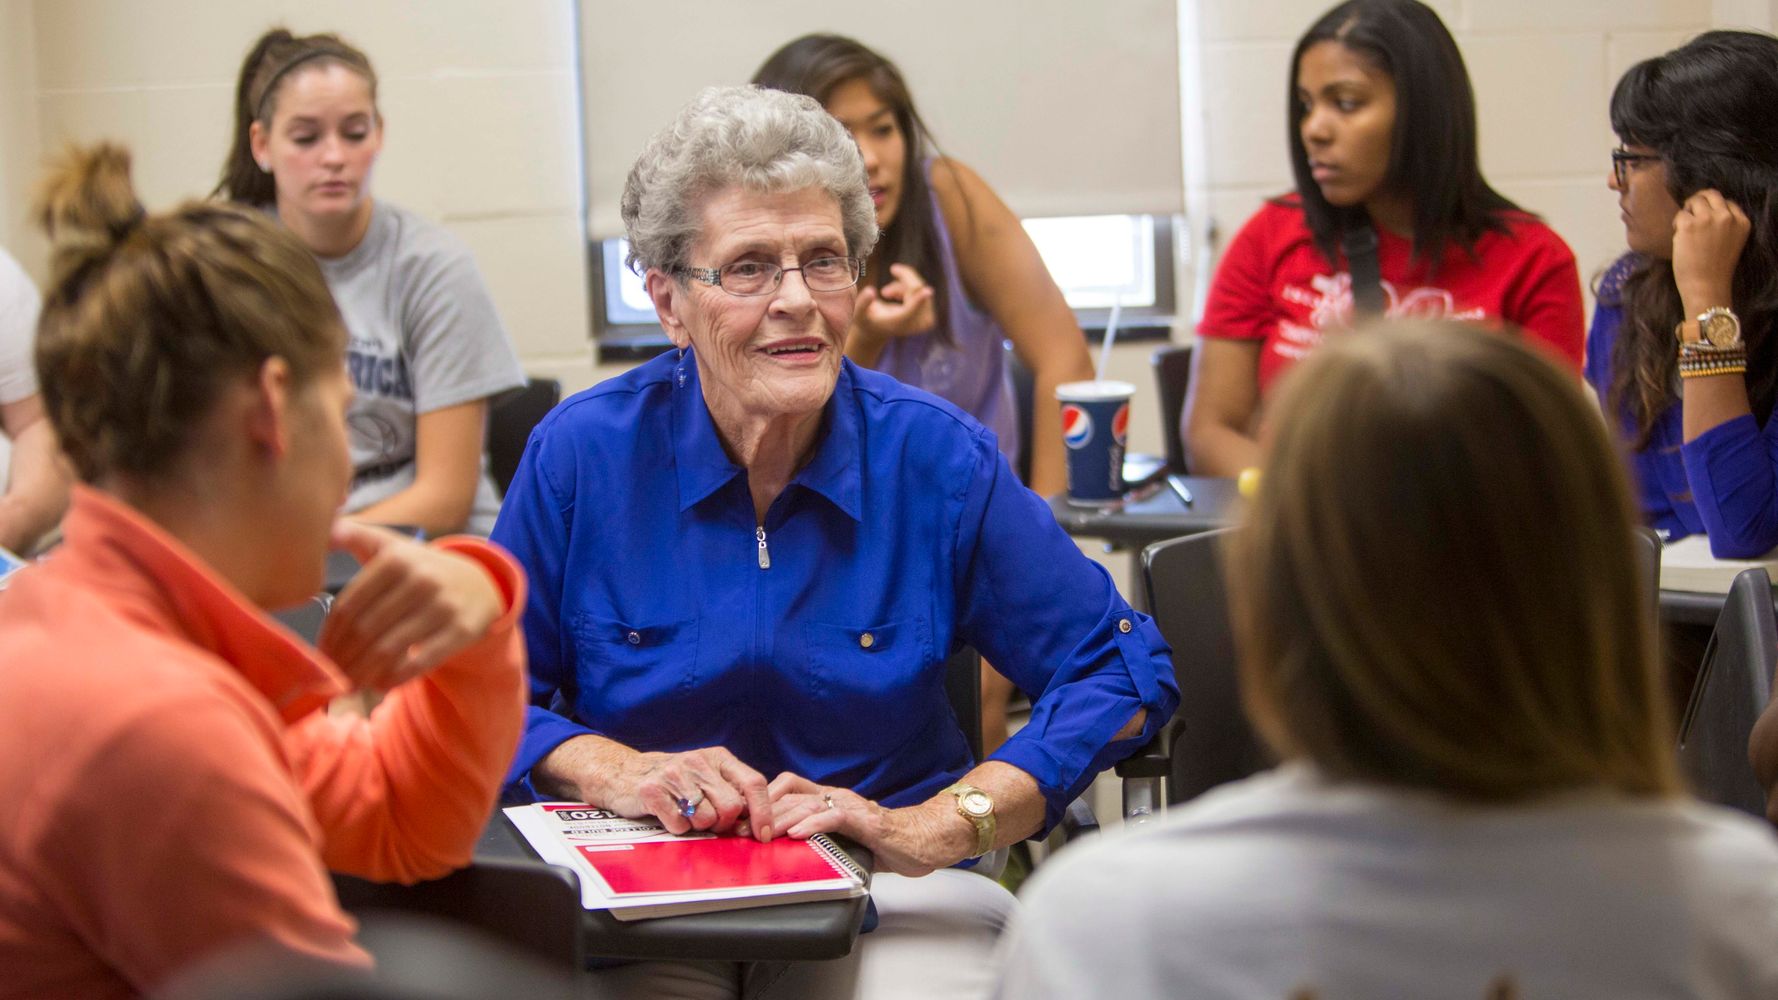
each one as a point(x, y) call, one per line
point(762, 140)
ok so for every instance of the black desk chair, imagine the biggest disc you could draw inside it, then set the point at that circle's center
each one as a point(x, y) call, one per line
point(1172, 377)
point(528, 905)
point(1733, 687)
point(1208, 742)
point(510, 421)
point(1648, 564)
point(418, 958)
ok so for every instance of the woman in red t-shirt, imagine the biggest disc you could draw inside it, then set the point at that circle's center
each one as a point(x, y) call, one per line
point(1383, 139)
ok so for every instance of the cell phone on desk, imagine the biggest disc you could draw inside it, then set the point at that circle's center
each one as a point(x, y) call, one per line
point(10, 563)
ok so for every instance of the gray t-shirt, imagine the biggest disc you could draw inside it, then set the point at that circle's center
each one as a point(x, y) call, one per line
point(1287, 885)
point(422, 335)
point(18, 326)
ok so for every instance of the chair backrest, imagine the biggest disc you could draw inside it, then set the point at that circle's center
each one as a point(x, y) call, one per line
point(527, 904)
point(1212, 742)
point(963, 686)
point(1648, 564)
point(510, 420)
point(1172, 375)
point(1024, 391)
point(1733, 687)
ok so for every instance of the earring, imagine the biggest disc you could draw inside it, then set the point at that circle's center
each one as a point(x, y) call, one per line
point(265, 166)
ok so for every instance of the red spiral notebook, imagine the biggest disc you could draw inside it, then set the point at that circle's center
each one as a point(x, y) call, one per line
point(637, 870)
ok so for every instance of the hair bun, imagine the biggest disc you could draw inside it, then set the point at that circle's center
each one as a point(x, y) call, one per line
point(88, 207)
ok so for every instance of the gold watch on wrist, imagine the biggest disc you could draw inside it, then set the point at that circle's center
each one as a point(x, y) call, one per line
point(1715, 329)
point(977, 806)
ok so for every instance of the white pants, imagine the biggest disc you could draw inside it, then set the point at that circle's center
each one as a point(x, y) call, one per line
point(934, 941)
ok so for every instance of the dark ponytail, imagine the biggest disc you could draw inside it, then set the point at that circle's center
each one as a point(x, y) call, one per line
point(268, 64)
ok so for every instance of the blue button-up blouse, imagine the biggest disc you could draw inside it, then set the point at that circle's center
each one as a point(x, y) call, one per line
point(663, 617)
point(1720, 483)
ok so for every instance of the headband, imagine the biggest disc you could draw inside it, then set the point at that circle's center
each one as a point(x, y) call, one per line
point(271, 83)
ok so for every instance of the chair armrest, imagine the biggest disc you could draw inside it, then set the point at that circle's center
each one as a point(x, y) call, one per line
point(1078, 821)
point(1153, 760)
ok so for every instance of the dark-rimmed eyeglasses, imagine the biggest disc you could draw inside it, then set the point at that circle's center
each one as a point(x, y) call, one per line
point(1621, 159)
point(758, 277)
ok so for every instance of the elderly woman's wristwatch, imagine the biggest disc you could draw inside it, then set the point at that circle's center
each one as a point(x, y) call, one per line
point(977, 806)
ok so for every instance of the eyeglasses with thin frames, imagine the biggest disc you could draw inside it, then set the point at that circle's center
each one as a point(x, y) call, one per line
point(1621, 159)
point(758, 277)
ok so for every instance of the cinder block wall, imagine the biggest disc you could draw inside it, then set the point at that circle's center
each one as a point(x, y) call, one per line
point(483, 125)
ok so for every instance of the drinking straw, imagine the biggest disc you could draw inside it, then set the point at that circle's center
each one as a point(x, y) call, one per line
point(1110, 335)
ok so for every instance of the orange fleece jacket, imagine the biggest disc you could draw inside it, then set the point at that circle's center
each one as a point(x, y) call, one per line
point(175, 789)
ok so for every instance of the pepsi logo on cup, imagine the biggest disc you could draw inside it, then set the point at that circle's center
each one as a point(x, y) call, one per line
point(1077, 425)
point(1120, 424)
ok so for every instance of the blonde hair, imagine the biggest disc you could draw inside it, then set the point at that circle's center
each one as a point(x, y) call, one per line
point(148, 317)
point(1436, 586)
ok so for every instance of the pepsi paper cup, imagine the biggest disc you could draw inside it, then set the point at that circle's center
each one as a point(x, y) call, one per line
point(1095, 422)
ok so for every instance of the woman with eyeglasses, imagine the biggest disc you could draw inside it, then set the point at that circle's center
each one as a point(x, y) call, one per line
point(426, 349)
point(751, 558)
point(1681, 352)
point(1391, 216)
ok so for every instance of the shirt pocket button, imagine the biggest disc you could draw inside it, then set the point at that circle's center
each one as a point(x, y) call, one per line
point(867, 640)
point(635, 638)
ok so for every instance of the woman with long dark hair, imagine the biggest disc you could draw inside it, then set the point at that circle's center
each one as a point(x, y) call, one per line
point(954, 276)
point(1682, 350)
point(1390, 215)
point(952, 280)
point(426, 349)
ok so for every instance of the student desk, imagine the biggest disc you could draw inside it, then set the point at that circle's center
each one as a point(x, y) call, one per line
point(821, 930)
point(1153, 513)
point(1156, 513)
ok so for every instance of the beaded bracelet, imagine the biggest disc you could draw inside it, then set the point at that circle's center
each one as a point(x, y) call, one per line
point(1704, 363)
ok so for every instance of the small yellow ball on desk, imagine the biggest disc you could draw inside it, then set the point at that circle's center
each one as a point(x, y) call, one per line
point(1247, 483)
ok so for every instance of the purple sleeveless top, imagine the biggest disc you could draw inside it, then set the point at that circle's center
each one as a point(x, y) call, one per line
point(972, 373)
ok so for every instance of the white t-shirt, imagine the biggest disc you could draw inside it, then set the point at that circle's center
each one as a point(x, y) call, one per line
point(19, 306)
point(1285, 885)
point(423, 335)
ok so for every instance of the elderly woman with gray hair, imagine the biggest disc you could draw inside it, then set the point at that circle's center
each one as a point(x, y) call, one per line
point(749, 557)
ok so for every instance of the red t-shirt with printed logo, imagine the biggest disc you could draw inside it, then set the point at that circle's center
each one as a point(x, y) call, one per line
point(1274, 286)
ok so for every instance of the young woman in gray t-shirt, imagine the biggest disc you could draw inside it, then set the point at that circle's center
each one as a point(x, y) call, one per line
point(425, 347)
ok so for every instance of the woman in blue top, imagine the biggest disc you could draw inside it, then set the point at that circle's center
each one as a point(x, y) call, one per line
point(750, 557)
point(1697, 296)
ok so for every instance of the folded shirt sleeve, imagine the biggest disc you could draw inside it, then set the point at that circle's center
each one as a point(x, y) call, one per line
point(1052, 621)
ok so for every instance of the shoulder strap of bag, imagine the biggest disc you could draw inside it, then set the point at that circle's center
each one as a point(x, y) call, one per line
point(1360, 245)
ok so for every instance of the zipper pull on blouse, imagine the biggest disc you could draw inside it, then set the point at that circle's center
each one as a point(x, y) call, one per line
point(765, 554)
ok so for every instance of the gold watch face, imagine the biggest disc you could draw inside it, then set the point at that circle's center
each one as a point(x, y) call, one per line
point(976, 803)
point(1719, 328)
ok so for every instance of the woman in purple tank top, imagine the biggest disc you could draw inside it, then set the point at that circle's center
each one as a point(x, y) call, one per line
point(953, 279)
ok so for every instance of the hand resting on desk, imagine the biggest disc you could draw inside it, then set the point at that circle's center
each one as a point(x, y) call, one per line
point(407, 611)
point(727, 795)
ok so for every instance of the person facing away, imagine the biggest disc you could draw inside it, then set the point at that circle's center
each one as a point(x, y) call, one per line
point(176, 788)
point(425, 348)
point(1444, 635)
point(1382, 131)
